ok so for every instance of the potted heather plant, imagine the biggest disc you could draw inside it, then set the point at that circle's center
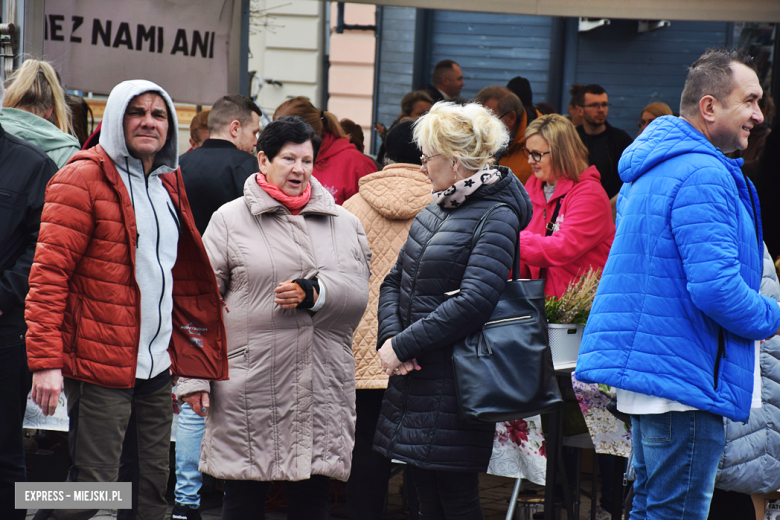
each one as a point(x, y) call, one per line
point(567, 315)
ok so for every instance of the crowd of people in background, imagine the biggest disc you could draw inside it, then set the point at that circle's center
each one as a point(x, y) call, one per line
point(303, 297)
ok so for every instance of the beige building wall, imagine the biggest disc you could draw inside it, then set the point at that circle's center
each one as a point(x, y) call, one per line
point(287, 46)
point(351, 74)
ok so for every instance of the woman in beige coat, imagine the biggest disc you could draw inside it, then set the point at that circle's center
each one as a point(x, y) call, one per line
point(293, 270)
point(386, 205)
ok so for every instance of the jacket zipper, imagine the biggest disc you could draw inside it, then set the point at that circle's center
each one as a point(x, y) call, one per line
point(416, 270)
point(162, 272)
point(721, 336)
point(408, 318)
point(507, 320)
point(721, 354)
point(755, 217)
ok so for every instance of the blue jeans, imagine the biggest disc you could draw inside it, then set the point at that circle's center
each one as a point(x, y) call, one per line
point(676, 457)
point(188, 438)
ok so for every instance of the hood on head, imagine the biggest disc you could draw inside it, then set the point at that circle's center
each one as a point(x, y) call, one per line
point(399, 192)
point(112, 134)
point(666, 137)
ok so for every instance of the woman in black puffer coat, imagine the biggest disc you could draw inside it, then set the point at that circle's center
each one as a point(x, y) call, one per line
point(440, 291)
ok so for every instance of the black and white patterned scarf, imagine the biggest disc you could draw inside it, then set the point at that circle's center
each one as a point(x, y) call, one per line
point(456, 194)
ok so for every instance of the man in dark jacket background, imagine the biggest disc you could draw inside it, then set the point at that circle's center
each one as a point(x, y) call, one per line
point(447, 82)
point(605, 143)
point(214, 174)
point(24, 172)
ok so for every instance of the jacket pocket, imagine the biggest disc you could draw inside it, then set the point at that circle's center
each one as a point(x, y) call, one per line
point(721, 355)
point(241, 351)
point(10, 214)
point(9, 199)
point(656, 428)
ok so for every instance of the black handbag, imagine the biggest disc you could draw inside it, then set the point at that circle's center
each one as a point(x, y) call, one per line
point(504, 371)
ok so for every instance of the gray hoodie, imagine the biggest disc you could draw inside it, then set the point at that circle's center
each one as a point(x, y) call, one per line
point(156, 221)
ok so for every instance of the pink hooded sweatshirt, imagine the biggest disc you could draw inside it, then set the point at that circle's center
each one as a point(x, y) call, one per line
point(339, 167)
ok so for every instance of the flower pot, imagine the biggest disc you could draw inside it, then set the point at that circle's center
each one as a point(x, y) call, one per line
point(565, 344)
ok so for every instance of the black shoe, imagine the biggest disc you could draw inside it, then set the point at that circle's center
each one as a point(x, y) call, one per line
point(181, 512)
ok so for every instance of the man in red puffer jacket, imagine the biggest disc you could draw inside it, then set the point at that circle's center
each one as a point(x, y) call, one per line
point(121, 295)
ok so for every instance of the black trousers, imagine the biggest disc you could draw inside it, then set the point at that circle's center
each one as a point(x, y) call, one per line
point(367, 484)
point(306, 499)
point(15, 384)
point(447, 495)
point(730, 505)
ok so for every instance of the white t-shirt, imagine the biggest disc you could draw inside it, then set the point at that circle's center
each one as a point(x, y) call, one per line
point(641, 404)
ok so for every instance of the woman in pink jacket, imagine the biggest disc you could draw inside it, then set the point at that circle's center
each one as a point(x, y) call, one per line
point(572, 228)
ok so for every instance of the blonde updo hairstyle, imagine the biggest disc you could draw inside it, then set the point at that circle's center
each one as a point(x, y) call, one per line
point(470, 133)
point(568, 155)
point(321, 121)
point(35, 88)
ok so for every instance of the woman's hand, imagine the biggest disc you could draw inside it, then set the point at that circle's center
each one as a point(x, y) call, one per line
point(289, 295)
point(199, 402)
point(392, 365)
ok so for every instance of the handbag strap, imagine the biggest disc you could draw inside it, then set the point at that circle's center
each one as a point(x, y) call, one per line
point(478, 232)
point(550, 227)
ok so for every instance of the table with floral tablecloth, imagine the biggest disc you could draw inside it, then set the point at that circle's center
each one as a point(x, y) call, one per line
point(609, 434)
point(519, 450)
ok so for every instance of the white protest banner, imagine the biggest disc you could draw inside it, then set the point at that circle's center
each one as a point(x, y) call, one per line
point(182, 45)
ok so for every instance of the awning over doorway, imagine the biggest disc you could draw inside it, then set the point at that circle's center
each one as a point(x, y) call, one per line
point(701, 10)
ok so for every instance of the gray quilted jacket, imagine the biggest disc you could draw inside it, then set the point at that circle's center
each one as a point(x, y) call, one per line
point(751, 461)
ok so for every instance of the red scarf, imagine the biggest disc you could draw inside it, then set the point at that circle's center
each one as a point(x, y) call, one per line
point(294, 204)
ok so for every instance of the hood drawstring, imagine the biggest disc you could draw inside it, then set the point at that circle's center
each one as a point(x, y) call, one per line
point(132, 200)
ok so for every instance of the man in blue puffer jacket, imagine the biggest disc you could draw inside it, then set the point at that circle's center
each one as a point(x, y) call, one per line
point(677, 314)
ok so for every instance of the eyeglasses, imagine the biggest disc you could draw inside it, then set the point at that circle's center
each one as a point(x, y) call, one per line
point(502, 116)
point(596, 106)
point(536, 156)
point(425, 158)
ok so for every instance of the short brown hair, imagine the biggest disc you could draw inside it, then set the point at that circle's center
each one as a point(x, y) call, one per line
point(409, 100)
point(355, 133)
point(233, 107)
point(442, 68)
point(506, 99)
point(711, 75)
point(198, 123)
point(569, 156)
point(578, 92)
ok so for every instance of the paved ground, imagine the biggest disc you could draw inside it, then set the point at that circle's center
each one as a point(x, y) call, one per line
point(49, 462)
point(495, 493)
